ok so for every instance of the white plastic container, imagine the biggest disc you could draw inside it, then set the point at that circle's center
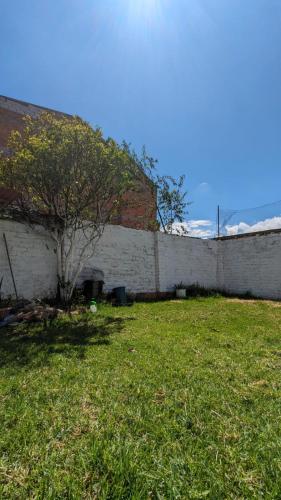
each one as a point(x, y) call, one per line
point(93, 306)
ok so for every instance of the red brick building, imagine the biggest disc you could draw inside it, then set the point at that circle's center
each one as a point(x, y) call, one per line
point(139, 208)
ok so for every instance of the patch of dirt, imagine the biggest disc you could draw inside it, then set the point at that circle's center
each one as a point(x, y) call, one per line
point(272, 303)
point(259, 383)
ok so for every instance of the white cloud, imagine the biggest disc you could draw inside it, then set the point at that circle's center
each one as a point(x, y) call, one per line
point(203, 188)
point(205, 228)
point(199, 222)
point(201, 233)
point(195, 228)
point(263, 225)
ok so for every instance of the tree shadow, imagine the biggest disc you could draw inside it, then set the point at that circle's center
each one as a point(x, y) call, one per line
point(34, 344)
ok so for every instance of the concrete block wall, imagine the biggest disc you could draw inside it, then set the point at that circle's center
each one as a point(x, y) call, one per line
point(146, 262)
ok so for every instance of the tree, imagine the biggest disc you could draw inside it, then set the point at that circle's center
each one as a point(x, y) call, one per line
point(69, 180)
point(172, 205)
point(171, 198)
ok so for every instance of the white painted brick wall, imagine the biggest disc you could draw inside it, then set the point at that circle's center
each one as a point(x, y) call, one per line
point(127, 257)
point(251, 264)
point(186, 259)
point(33, 260)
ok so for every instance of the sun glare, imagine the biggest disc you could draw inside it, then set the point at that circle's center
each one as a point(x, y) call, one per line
point(144, 11)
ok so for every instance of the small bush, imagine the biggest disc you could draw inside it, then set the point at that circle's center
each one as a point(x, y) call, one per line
point(197, 290)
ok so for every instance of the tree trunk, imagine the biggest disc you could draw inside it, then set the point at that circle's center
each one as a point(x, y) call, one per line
point(62, 271)
point(68, 273)
point(70, 261)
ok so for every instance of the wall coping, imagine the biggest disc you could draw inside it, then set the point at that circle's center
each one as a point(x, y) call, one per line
point(30, 104)
point(248, 235)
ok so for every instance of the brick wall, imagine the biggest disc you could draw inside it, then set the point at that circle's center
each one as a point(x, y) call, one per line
point(9, 121)
point(126, 257)
point(33, 260)
point(143, 261)
point(190, 260)
point(251, 264)
point(12, 112)
point(139, 208)
point(149, 262)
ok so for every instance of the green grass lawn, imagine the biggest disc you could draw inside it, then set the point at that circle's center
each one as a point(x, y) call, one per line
point(165, 400)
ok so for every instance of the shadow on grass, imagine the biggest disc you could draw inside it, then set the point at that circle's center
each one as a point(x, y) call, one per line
point(33, 344)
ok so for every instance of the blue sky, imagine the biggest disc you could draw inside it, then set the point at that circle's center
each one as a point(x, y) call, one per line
point(197, 81)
